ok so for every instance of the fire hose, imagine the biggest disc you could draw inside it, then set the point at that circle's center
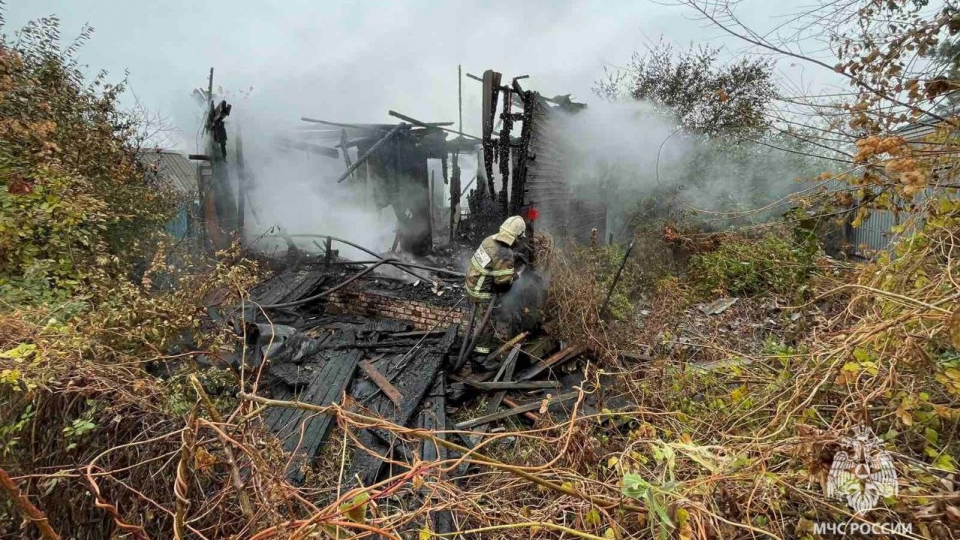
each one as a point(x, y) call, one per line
point(465, 348)
point(399, 264)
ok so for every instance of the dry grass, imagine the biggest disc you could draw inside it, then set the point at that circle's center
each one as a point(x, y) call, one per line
point(741, 451)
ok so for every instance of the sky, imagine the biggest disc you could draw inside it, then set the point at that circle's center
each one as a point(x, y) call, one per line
point(354, 61)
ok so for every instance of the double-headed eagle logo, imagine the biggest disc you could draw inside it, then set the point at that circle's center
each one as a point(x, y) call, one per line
point(862, 471)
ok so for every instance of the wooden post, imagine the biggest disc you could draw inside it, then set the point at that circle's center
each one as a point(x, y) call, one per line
point(241, 187)
point(210, 89)
point(454, 195)
point(460, 95)
point(344, 149)
point(433, 175)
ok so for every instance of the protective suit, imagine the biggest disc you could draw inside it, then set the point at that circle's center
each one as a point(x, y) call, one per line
point(492, 265)
point(492, 271)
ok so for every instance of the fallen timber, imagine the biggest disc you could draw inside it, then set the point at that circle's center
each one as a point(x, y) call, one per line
point(470, 455)
point(486, 419)
point(384, 370)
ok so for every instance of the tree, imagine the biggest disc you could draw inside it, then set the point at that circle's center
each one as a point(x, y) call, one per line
point(74, 201)
point(707, 97)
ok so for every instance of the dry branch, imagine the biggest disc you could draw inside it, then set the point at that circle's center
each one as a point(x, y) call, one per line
point(30, 512)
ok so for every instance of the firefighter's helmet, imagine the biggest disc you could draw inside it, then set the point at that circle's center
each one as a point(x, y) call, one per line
point(514, 227)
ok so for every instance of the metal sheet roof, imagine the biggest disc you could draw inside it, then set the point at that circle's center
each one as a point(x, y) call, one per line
point(170, 169)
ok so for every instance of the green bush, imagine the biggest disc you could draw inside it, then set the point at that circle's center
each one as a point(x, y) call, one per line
point(76, 208)
point(746, 267)
point(584, 276)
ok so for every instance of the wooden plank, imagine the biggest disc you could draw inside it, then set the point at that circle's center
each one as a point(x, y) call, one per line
point(316, 427)
point(505, 347)
point(532, 416)
point(413, 382)
point(458, 391)
point(326, 388)
point(503, 375)
point(557, 359)
point(290, 423)
point(523, 385)
point(486, 419)
point(509, 366)
point(287, 286)
point(433, 417)
point(390, 390)
point(272, 416)
point(419, 333)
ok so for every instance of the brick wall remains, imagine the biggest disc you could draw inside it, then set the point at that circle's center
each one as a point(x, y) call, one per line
point(424, 316)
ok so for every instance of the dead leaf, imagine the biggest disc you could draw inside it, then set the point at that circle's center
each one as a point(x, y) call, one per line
point(953, 513)
point(19, 187)
point(954, 326)
point(544, 403)
point(203, 460)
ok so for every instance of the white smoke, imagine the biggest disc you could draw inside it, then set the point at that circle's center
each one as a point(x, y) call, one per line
point(624, 153)
point(628, 152)
point(296, 191)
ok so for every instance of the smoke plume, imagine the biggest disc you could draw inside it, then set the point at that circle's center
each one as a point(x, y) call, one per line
point(633, 154)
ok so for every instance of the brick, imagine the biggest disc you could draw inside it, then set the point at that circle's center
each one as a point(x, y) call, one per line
point(422, 315)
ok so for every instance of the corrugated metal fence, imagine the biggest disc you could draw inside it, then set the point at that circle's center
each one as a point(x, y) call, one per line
point(877, 232)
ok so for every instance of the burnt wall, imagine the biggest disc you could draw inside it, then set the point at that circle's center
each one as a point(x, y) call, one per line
point(549, 186)
point(422, 315)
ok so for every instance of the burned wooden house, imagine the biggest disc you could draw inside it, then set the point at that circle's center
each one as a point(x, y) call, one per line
point(522, 168)
point(335, 330)
point(392, 161)
point(536, 179)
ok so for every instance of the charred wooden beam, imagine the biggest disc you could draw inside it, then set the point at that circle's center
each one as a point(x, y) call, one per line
point(436, 125)
point(375, 127)
point(433, 418)
point(418, 333)
point(491, 92)
point(507, 385)
point(416, 122)
point(518, 183)
point(368, 153)
point(303, 432)
point(308, 147)
point(241, 186)
point(557, 359)
point(503, 144)
point(486, 419)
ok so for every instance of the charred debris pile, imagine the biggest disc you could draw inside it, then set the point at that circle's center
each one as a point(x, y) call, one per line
point(383, 336)
point(305, 348)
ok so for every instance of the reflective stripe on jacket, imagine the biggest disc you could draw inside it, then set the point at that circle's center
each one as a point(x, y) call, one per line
point(491, 269)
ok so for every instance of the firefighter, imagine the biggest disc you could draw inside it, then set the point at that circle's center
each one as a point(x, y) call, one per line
point(492, 272)
point(492, 265)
